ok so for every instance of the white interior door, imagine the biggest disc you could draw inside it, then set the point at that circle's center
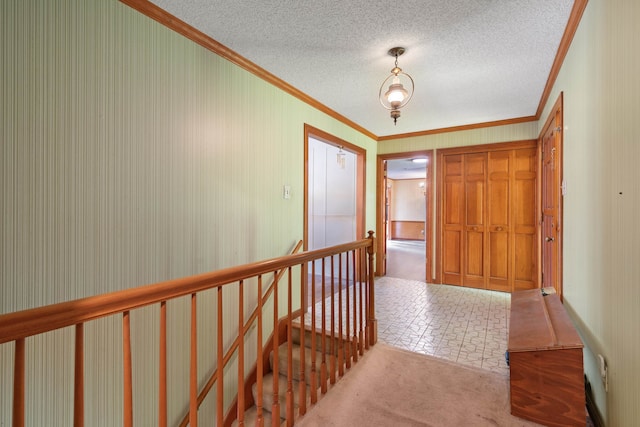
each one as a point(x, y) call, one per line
point(332, 196)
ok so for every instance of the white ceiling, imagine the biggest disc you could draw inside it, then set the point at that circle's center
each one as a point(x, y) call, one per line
point(406, 169)
point(473, 61)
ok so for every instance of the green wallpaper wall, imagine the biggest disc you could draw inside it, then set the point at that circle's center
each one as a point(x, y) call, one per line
point(601, 89)
point(131, 155)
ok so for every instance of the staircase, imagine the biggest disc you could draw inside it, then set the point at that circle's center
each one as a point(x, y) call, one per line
point(319, 371)
point(344, 308)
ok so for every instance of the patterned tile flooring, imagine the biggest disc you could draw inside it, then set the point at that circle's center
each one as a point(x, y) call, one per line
point(464, 325)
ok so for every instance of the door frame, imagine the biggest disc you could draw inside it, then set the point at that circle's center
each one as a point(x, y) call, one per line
point(361, 158)
point(381, 231)
point(554, 121)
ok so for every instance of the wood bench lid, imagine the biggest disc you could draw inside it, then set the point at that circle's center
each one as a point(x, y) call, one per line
point(540, 323)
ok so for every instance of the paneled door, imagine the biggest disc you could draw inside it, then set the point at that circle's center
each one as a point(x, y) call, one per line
point(524, 219)
point(488, 217)
point(475, 178)
point(550, 207)
point(500, 165)
point(452, 219)
point(511, 200)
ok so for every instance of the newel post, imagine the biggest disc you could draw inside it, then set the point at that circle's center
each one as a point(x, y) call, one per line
point(372, 323)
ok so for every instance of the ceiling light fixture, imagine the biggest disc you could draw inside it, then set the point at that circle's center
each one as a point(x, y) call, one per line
point(397, 96)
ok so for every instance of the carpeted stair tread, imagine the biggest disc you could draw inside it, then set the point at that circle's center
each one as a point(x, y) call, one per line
point(251, 415)
point(267, 393)
point(282, 362)
point(295, 335)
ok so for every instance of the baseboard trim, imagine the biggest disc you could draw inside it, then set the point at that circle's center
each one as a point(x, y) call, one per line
point(594, 413)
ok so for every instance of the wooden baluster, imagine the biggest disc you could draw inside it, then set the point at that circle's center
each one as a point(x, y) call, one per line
point(365, 285)
point(259, 362)
point(220, 368)
point(361, 266)
point(333, 367)
point(78, 383)
point(323, 363)
point(275, 408)
point(341, 354)
point(193, 368)
point(313, 381)
point(363, 301)
point(302, 384)
point(18, 383)
point(241, 402)
point(128, 386)
point(162, 392)
point(368, 301)
point(373, 330)
point(290, 415)
point(354, 279)
point(347, 353)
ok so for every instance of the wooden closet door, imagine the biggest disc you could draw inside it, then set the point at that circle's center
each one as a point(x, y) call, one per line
point(525, 261)
point(475, 176)
point(452, 219)
point(488, 221)
point(498, 220)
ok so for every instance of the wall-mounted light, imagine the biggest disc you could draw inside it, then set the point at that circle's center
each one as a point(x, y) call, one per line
point(397, 95)
point(341, 158)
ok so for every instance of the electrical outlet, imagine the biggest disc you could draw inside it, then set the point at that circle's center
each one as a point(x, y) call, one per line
point(604, 372)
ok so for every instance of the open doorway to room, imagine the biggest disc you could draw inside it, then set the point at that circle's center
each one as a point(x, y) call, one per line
point(334, 181)
point(404, 225)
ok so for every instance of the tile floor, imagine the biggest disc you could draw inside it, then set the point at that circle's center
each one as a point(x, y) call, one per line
point(464, 325)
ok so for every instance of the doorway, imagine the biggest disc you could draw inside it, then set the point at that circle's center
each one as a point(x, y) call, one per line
point(334, 182)
point(404, 215)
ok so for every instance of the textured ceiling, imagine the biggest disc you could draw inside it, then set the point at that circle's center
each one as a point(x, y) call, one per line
point(406, 169)
point(473, 61)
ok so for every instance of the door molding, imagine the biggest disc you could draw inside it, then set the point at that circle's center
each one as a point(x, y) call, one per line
point(361, 158)
point(554, 122)
point(380, 209)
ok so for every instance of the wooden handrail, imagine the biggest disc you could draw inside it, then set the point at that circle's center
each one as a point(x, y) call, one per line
point(20, 325)
point(26, 323)
point(231, 350)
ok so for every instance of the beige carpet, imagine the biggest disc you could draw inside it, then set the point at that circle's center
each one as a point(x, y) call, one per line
point(393, 387)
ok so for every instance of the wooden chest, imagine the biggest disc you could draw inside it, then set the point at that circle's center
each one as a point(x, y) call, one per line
point(545, 361)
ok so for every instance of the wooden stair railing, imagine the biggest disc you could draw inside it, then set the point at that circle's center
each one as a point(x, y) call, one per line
point(340, 326)
point(20, 325)
point(236, 343)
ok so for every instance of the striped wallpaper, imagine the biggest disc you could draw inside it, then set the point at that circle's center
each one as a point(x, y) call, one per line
point(601, 93)
point(131, 155)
